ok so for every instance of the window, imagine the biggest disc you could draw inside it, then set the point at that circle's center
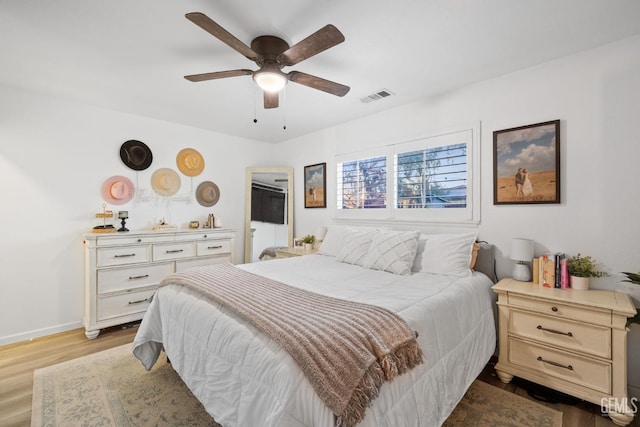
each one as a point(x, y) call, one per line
point(432, 178)
point(425, 179)
point(362, 184)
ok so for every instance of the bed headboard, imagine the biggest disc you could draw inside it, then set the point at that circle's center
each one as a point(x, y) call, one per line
point(485, 263)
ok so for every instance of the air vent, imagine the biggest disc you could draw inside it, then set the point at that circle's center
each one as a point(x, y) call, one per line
point(377, 96)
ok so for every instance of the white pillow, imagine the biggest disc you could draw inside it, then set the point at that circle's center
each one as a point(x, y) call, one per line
point(335, 233)
point(331, 242)
point(354, 246)
point(447, 254)
point(392, 251)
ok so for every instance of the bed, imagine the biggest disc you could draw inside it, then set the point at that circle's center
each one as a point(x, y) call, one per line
point(244, 378)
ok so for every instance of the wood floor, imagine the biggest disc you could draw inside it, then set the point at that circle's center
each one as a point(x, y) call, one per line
point(18, 361)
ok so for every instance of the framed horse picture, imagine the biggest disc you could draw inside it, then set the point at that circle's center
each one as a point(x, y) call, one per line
point(526, 164)
point(315, 185)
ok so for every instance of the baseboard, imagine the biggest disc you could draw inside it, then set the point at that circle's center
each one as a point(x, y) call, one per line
point(37, 333)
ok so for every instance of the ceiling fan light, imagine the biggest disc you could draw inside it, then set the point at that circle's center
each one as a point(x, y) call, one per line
point(270, 81)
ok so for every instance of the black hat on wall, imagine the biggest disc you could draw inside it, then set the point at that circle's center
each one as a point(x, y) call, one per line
point(136, 155)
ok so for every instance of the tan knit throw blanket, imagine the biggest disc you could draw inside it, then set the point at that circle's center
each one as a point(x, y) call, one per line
point(346, 349)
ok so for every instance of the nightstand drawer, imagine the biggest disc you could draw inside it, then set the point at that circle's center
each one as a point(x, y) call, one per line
point(121, 279)
point(174, 251)
point(552, 308)
point(566, 366)
point(122, 305)
point(580, 337)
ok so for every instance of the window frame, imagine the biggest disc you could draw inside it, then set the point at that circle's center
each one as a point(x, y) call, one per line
point(468, 215)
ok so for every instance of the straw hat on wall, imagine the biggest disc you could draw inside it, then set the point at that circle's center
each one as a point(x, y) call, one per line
point(190, 162)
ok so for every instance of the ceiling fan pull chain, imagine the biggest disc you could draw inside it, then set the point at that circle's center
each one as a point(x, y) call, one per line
point(284, 108)
point(255, 102)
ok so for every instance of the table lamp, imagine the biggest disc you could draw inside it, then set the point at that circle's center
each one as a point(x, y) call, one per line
point(522, 254)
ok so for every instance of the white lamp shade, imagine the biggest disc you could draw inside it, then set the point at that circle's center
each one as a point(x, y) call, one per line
point(521, 250)
point(270, 79)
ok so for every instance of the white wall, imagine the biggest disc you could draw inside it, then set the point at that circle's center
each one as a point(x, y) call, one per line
point(54, 157)
point(595, 94)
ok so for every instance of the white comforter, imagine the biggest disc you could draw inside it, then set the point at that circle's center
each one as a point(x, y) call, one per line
point(245, 379)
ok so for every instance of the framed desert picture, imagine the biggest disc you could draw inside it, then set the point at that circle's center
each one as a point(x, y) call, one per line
point(526, 164)
point(315, 184)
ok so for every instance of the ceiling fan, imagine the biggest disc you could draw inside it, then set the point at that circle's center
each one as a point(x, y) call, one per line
point(271, 54)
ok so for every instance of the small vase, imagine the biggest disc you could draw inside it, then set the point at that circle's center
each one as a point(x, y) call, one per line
point(308, 247)
point(579, 283)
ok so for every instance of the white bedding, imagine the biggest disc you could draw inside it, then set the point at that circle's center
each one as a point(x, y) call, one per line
point(245, 379)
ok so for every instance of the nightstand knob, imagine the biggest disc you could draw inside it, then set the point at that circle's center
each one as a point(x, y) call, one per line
point(554, 309)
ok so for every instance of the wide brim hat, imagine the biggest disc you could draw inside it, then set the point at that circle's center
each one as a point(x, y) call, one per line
point(118, 190)
point(190, 162)
point(207, 193)
point(165, 182)
point(136, 155)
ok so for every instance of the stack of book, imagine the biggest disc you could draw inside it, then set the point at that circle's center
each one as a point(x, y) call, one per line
point(550, 271)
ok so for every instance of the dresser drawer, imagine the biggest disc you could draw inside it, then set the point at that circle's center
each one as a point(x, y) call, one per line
point(201, 262)
point(174, 251)
point(581, 337)
point(552, 308)
point(121, 279)
point(566, 366)
point(124, 304)
point(106, 257)
point(212, 247)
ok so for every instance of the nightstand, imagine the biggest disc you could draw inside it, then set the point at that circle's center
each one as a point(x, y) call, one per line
point(294, 251)
point(573, 341)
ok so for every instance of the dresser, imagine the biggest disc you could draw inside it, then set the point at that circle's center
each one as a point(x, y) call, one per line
point(122, 270)
point(573, 341)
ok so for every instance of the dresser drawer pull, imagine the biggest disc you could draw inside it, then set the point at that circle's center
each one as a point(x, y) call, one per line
point(214, 247)
point(124, 255)
point(554, 309)
point(139, 301)
point(138, 277)
point(175, 251)
point(559, 365)
point(553, 331)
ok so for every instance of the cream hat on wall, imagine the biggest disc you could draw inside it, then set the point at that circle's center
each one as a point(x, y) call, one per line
point(190, 162)
point(165, 182)
point(117, 190)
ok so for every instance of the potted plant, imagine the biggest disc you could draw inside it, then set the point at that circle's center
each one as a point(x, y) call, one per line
point(635, 279)
point(581, 269)
point(308, 241)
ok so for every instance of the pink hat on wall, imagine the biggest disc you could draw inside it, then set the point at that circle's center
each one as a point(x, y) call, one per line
point(118, 190)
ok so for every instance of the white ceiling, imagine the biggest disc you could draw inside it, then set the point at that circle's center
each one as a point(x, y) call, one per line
point(131, 56)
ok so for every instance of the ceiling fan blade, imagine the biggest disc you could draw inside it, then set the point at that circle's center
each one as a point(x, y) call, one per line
point(317, 42)
point(318, 83)
point(218, 75)
point(270, 99)
point(207, 24)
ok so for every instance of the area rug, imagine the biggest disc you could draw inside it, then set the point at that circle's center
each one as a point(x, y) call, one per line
point(111, 388)
point(484, 405)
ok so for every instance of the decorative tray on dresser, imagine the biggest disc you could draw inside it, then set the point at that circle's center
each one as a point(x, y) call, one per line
point(122, 270)
point(573, 341)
